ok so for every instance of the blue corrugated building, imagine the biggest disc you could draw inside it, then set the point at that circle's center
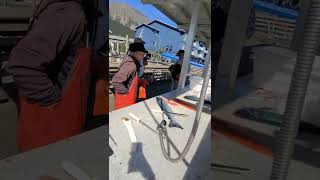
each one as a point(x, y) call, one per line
point(149, 34)
point(159, 35)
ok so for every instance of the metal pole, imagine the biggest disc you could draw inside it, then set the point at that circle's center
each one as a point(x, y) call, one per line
point(187, 55)
point(127, 43)
point(208, 58)
point(159, 49)
point(233, 41)
point(118, 47)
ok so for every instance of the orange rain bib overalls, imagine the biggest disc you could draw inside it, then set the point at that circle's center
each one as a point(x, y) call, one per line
point(124, 100)
point(39, 126)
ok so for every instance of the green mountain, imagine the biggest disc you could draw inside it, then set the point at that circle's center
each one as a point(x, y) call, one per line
point(120, 30)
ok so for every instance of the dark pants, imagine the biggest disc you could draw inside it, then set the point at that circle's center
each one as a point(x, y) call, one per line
point(175, 83)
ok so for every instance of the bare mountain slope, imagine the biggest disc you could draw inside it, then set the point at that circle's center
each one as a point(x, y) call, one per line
point(127, 15)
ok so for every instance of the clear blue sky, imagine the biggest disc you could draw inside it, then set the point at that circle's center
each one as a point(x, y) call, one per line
point(148, 10)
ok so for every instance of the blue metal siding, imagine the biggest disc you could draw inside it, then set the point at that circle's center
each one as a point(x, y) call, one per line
point(149, 37)
point(168, 38)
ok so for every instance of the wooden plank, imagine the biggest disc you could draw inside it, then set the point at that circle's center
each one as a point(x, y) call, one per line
point(274, 30)
point(113, 37)
point(277, 22)
point(290, 25)
point(270, 16)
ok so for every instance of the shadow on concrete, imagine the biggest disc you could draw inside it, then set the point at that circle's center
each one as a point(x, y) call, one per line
point(270, 117)
point(311, 112)
point(302, 153)
point(139, 163)
point(199, 166)
point(225, 171)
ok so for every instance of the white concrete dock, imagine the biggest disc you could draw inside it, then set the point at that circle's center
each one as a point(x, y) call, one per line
point(148, 161)
point(87, 151)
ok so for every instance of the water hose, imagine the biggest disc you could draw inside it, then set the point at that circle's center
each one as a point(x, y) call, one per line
point(162, 127)
point(296, 97)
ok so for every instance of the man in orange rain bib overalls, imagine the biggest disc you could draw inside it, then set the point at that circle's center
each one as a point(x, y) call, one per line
point(50, 67)
point(126, 80)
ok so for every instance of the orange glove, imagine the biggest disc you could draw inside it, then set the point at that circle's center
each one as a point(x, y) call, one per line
point(143, 88)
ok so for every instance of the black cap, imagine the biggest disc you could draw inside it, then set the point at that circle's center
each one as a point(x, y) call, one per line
point(134, 47)
point(180, 52)
point(138, 40)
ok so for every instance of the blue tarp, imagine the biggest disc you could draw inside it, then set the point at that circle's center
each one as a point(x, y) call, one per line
point(275, 10)
point(170, 56)
point(175, 58)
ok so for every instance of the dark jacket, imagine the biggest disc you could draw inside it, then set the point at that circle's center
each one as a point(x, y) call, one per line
point(219, 22)
point(42, 60)
point(123, 79)
point(175, 70)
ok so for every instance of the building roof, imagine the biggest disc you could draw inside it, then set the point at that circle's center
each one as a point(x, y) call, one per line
point(275, 10)
point(150, 27)
point(180, 11)
point(166, 25)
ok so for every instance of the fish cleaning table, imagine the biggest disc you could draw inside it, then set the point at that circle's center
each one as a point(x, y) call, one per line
point(87, 151)
point(147, 161)
point(195, 88)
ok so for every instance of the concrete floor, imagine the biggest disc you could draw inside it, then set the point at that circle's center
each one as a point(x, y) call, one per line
point(268, 87)
point(229, 152)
